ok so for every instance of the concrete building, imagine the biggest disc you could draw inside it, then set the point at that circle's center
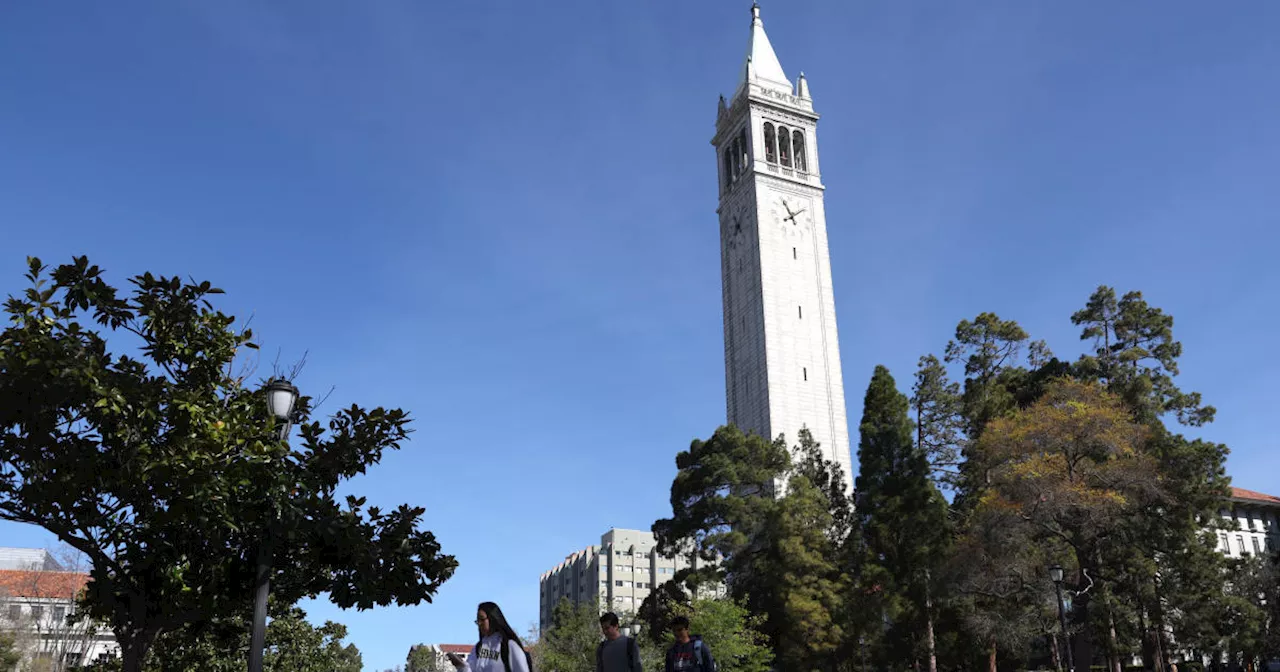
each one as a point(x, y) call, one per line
point(1255, 521)
point(617, 574)
point(36, 597)
point(781, 349)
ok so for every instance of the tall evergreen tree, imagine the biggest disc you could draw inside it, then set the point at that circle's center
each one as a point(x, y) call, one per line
point(935, 399)
point(902, 520)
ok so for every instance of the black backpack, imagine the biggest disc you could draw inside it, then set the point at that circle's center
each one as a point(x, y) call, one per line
point(632, 650)
point(504, 653)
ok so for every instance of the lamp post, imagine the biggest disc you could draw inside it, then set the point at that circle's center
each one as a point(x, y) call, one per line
point(1055, 575)
point(281, 398)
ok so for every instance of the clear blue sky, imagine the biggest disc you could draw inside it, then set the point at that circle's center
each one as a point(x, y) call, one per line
point(500, 216)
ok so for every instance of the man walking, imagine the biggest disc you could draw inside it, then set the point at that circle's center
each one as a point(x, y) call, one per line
point(688, 654)
point(616, 653)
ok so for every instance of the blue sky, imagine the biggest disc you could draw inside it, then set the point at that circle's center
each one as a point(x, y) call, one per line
point(500, 216)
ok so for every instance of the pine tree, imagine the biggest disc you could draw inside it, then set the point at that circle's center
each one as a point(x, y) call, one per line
point(902, 520)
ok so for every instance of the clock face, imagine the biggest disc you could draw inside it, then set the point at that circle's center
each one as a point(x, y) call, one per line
point(792, 214)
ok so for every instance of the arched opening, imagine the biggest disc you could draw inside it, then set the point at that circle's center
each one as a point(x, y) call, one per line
point(743, 148)
point(728, 167)
point(797, 148)
point(770, 143)
point(736, 147)
point(784, 146)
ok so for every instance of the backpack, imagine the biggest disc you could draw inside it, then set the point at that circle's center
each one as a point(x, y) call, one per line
point(504, 653)
point(700, 657)
point(632, 650)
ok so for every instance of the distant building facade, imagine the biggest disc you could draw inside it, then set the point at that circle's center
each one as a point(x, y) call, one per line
point(1253, 522)
point(616, 575)
point(36, 597)
point(439, 653)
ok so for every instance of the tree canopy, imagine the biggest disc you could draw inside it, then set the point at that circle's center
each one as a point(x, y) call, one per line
point(126, 431)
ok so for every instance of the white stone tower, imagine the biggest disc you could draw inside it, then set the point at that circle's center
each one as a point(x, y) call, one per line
point(781, 351)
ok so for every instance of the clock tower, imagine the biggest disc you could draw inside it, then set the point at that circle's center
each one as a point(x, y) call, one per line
point(781, 350)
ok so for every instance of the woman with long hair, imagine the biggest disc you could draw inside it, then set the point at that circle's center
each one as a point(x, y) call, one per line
point(499, 648)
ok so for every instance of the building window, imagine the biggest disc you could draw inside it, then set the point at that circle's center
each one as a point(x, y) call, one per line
point(800, 311)
point(770, 143)
point(784, 146)
point(728, 167)
point(1240, 541)
point(37, 612)
point(1257, 547)
point(742, 150)
point(797, 148)
point(1223, 544)
point(618, 583)
point(15, 611)
point(793, 253)
point(806, 372)
point(59, 614)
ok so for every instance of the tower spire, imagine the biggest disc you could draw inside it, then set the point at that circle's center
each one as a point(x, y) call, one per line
point(762, 66)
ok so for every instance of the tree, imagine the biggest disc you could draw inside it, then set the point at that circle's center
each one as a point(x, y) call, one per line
point(164, 469)
point(222, 645)
point(570, 643)
point(1072, 466)
point(423, 658)
point(9, 653)
point(902, 519)
point(777, 554)
point(939, 422)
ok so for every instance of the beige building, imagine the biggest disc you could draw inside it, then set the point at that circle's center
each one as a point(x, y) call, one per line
point(1254, 522)
point(617, 574)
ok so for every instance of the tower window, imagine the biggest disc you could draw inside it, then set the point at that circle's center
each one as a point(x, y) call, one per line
point(770, 143)
point(806, 372)
point(745, 159)
point(797, 148)
point(736, 147)
point(784, 146)
point(800, 311)
point(728, 168)
point(793, 253)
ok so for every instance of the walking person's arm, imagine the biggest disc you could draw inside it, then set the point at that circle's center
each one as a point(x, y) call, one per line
point(516, 655)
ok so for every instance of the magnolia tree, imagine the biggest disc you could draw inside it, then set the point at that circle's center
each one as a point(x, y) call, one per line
point(126, 432)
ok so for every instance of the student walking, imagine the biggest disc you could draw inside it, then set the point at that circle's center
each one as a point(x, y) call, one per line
point(499, 648)
point(688, 654)
point(616, 653)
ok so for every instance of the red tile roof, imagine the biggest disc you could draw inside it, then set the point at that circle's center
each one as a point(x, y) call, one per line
point(456, 648)
point(41, 584)
point(1241, 493)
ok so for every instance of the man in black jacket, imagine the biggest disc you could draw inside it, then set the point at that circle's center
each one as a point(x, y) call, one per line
point(688, 654)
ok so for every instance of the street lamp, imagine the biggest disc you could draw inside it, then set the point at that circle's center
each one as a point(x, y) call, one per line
point(1055, 575)
point(281, 399)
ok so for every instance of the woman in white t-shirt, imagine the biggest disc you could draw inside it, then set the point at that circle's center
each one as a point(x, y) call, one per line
point(499, 648)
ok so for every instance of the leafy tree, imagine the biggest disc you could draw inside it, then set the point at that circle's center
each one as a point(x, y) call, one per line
point(9, 654)
point(222, 645)
point(423, 658)
point(1072, 466)
point(729, 629)
point(164, 469)
point(778, 555)
point(570, 643)
point(902, 519)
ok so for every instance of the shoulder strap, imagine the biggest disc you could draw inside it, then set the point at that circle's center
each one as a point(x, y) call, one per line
point(505, 653)
point(699, 655)
point(631, 653)
point(600, 657)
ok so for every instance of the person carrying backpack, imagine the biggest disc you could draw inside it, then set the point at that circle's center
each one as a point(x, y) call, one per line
point(499, 648)
point(688, 654)
point(616, 653)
